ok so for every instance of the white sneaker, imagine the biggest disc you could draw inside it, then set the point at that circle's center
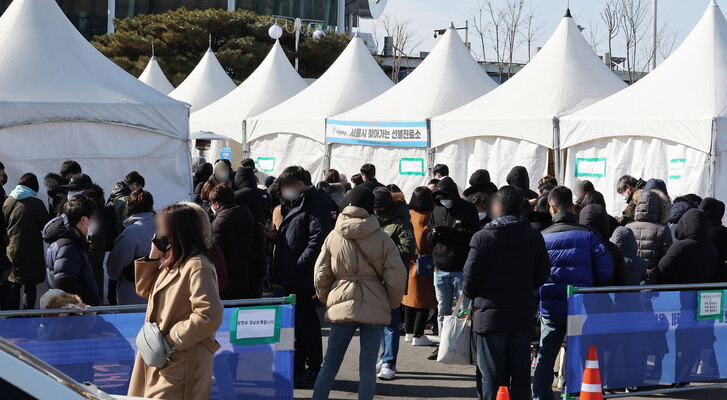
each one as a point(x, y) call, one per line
point(388, 372)
point(421, 341)
point(408, 337)
point(378, 367)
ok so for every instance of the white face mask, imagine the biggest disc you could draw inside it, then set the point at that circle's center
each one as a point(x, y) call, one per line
point(482, 215)
point(626, 195)
point(291, 194)
point(222, 176)
point(446, 203)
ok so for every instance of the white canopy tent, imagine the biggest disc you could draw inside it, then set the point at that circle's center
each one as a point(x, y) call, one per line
point(517, 123)
point(294, 132)
point(62, 99)
point(154, 77)
point(207, 83)
point(664, 126)
point(273, 82)
point(391, 131)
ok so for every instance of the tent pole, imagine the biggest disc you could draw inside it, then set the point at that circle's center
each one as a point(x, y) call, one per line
point(111, 16)
point(245, 145)
point(327, 159)
point(556, 151)
point(430, 150)
point(712, 157)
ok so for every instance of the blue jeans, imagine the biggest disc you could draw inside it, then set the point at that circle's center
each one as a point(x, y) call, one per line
point(338, 341)
point(448, 286)
point(504, 360)
point(390, 340)
point(552, 333)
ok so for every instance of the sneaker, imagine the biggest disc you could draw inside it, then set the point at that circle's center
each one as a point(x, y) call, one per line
point(421, 341)
point(434, 355)
point(307, 381)
point(378, 367)
point(388, 372)
point(408, 337)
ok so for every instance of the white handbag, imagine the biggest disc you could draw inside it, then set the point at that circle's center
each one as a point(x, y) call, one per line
point(154, 349)
point(454, 344)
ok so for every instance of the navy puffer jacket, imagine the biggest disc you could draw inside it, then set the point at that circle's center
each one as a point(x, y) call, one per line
point(578, 257)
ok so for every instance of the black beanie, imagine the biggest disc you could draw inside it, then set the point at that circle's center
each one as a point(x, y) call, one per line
point(363, 197)
point(383, 198)
point(480, 176)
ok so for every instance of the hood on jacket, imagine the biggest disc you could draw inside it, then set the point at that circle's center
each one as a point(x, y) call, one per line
point(714, 210)
point(355, 223)
point(520, 178)
point(245, 177)
point(447, 188)
point(657, 184)
point(145, 216)
point(235, 215)
point(22, 192)
point(510, 231)
point(693, 225)
point(595, 216)
point(59, 228)
point(679, 208)
point(203, 172)
point(399, 210)
point(652, 206)
point(625, 240)
point(118, 191)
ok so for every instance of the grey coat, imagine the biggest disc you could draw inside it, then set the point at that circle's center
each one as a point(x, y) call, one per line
point(652, 234)
point(134, 242)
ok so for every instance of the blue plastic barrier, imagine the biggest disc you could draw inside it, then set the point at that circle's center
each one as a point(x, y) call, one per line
point(101, 349)
point(644, 339)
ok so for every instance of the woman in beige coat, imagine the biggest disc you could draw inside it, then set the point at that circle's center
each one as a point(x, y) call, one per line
point(181, 286)
point(360, 278)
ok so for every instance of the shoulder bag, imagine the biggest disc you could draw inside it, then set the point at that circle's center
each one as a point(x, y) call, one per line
point(368, 260)
point(153, 348)
point(425, 262)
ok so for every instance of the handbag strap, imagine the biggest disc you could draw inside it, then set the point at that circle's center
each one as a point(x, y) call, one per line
point(368, 261)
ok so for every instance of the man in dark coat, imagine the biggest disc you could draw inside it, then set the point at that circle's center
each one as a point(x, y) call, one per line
point(507, 261)
point(540, 217)
point(692, 259)
point(24, 216)
point(451, 226)
point(627, 186)
point(368, 173)
point(717, 234)
point(66, 259)
point(258, 202)
point(520, 178)
point(578, 257)
point(595, 216)
point(305, 225)
point(232, 231)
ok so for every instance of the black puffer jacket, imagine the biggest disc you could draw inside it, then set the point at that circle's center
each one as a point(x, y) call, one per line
point(595, 216)
point(692, 259)
point(717, 233)
point(450, 230)
point(232, 232)
point(507, 261)
point(652, 234)
point(540, 220)
point(520, 178)
point(258, 201)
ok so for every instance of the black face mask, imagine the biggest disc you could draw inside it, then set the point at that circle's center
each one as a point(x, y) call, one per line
point(161, 243)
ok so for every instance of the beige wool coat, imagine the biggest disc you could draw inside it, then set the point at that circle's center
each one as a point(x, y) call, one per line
point(351, 290)
point(185, 303)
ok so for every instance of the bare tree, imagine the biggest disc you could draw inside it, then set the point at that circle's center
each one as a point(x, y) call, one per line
point(667, 39)
point(611, 16)
point(404, 40)
point(478, 14)
point(594, 35)
point(497, 35)
point(532, 30)
point(513, 21)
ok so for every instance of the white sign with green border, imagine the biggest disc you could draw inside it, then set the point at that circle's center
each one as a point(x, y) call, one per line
point(676, 168)
point(255, 325)
point(266, 164)
point(411, 166)
point(590, 167)
point(710, 305)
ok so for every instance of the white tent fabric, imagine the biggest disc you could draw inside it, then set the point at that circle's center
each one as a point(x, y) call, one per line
point(273, 82)
point(154, 77)
point(207, 83)
point(663, 126)
point(353, 79)
point(62, 99)
point(506, 124)
point(448, 78)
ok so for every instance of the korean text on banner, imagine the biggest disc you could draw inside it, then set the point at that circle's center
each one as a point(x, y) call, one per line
point(590, 167)
point(390, 134)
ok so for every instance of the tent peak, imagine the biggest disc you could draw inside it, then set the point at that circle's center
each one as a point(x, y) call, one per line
point(567, 13)
point(713, 3)
point(451, 25)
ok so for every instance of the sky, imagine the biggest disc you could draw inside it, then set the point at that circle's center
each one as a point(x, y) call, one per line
point(427, 15)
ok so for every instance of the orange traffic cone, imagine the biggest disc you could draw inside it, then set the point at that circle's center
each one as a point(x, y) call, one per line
point(503, 393)
point(591, 388)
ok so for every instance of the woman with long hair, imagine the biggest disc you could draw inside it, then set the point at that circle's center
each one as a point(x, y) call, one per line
point(180, 283)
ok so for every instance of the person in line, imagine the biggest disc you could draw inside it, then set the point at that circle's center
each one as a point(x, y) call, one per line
point(540, 218)
point(480, 183)
point(627, 186)
point(66, 259)
point(356, 179)
point(692, 259)
point(232, 231)
point(69, 169)
point(578, 257)
point(717, 234)
point(507, 261)
point(453, 222)
point(482, 202)
point(119, 197)
point(258, 201)
point(368, 174)
point(24, 216)
point(679, 207)
point(133, 243)
point(634, 266)
point(181, 286)
point(97, 238)
point(201, 175)
point(432, 184)
point(520, 178)
point(596, 217)
point(420, 296)
point(205, 197)
point(440, 171)
point(394, 219)
point(78, 184)
point(360, 278)
point(305, 223)
point(336, 187)
point(596, 197)
point(260, 176)
point(652, 233)
point(54, 191)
